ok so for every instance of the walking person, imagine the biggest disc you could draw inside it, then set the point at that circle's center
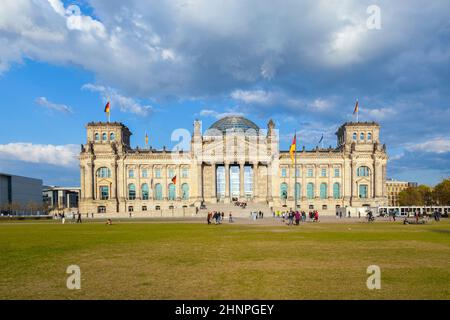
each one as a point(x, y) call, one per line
point(230, 218)
point(208, 217)
point(63, 218)
point(79, 218)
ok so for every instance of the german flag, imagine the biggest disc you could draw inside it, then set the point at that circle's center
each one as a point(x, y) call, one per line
point(174, 180)
point(107, 108)
point(293, 147)
point(356, 107)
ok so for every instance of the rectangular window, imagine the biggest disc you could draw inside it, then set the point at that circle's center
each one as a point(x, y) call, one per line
point(184, 172)
point(363, 191)
point(298, 172)
point(104, 193)
point(171, 173)
point(310, 173)
point(323, 172)
point(284, 172)
point(337, 173)
point(131, 173)
point(158, 173)
point(144, 173)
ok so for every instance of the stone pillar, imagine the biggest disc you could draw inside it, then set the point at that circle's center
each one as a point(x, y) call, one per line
point(269, 182)
point(82, 183)
point(114, 180)
point(178, 193)
point(199, 182)
point(165, 194)
point(227, 181)
point(291, 182)
point(255, 181)
point(151, 190)
point(304, 186)
point(138, 186)
point(241, 181)
point(330, 182)
point(214, 182)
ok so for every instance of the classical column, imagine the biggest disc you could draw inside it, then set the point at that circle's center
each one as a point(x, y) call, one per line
point(241, 181)
point(214, 183)
point(138, 187)
point(200, 181)
point(178, 186)
point(330, 182)
point(269, 182)
point(227, 181)
point(151, 196)
point(82, 183)
point(255, 181)
point(291, 182)
point(114, 180)
point(166, 184)
point(94, 182)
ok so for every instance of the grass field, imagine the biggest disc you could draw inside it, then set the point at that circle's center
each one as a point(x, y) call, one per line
point(197, 261)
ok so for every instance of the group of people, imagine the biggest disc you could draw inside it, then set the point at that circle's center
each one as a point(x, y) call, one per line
point(240, 204)
point(62, 217)
point(218, 217)
point(254, 215)
point(296, 216)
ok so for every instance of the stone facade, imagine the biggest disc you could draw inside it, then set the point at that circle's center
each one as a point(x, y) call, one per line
point(232, 160)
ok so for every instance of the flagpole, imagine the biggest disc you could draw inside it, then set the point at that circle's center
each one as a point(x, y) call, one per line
point(295, 173)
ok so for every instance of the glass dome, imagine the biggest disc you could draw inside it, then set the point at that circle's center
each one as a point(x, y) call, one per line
point(233, 123)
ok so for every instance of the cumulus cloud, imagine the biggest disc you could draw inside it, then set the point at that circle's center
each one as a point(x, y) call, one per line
point(59, 155)
point(43, 102)
point(219, 115)
point(126, 104)
point(434, 145)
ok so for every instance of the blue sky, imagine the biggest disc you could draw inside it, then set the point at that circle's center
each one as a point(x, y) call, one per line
point(165, 63)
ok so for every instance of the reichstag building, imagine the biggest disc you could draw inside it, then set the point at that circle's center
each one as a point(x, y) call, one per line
point(233, 160)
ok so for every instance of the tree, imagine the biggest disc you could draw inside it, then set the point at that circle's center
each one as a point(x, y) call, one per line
point(416, 196)
point(441, 193)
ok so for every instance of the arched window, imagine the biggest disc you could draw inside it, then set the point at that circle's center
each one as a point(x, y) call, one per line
point(104, 172)
point(336, 191)
point(363, 171)
point(298, 189)
point(323, 190)
point(112, 136)
point(171, 191)
point(369, 136)
point(144, 190)
point(131, 191)
point(361, 136)
point(96, 137)
point(104, 137)
point(185, 191)
point(158, 191)
point(283, 190)
point(310, 190)
point(354, 136)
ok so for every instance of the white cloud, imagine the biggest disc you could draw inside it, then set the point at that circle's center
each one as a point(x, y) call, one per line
point(252, 96)
point(379, 114)
point(126, 104)
point(219, 115)
point(43, 102)
point(435, 145)
point(59, 155)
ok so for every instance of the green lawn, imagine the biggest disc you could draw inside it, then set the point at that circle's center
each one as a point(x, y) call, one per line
point(197, 261)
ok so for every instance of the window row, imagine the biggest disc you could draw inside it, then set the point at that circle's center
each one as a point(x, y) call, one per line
point(104, 136)
point(310, 172)
point(362, 136)
point(310, 193)
point(158, 192)
point(104, 172)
